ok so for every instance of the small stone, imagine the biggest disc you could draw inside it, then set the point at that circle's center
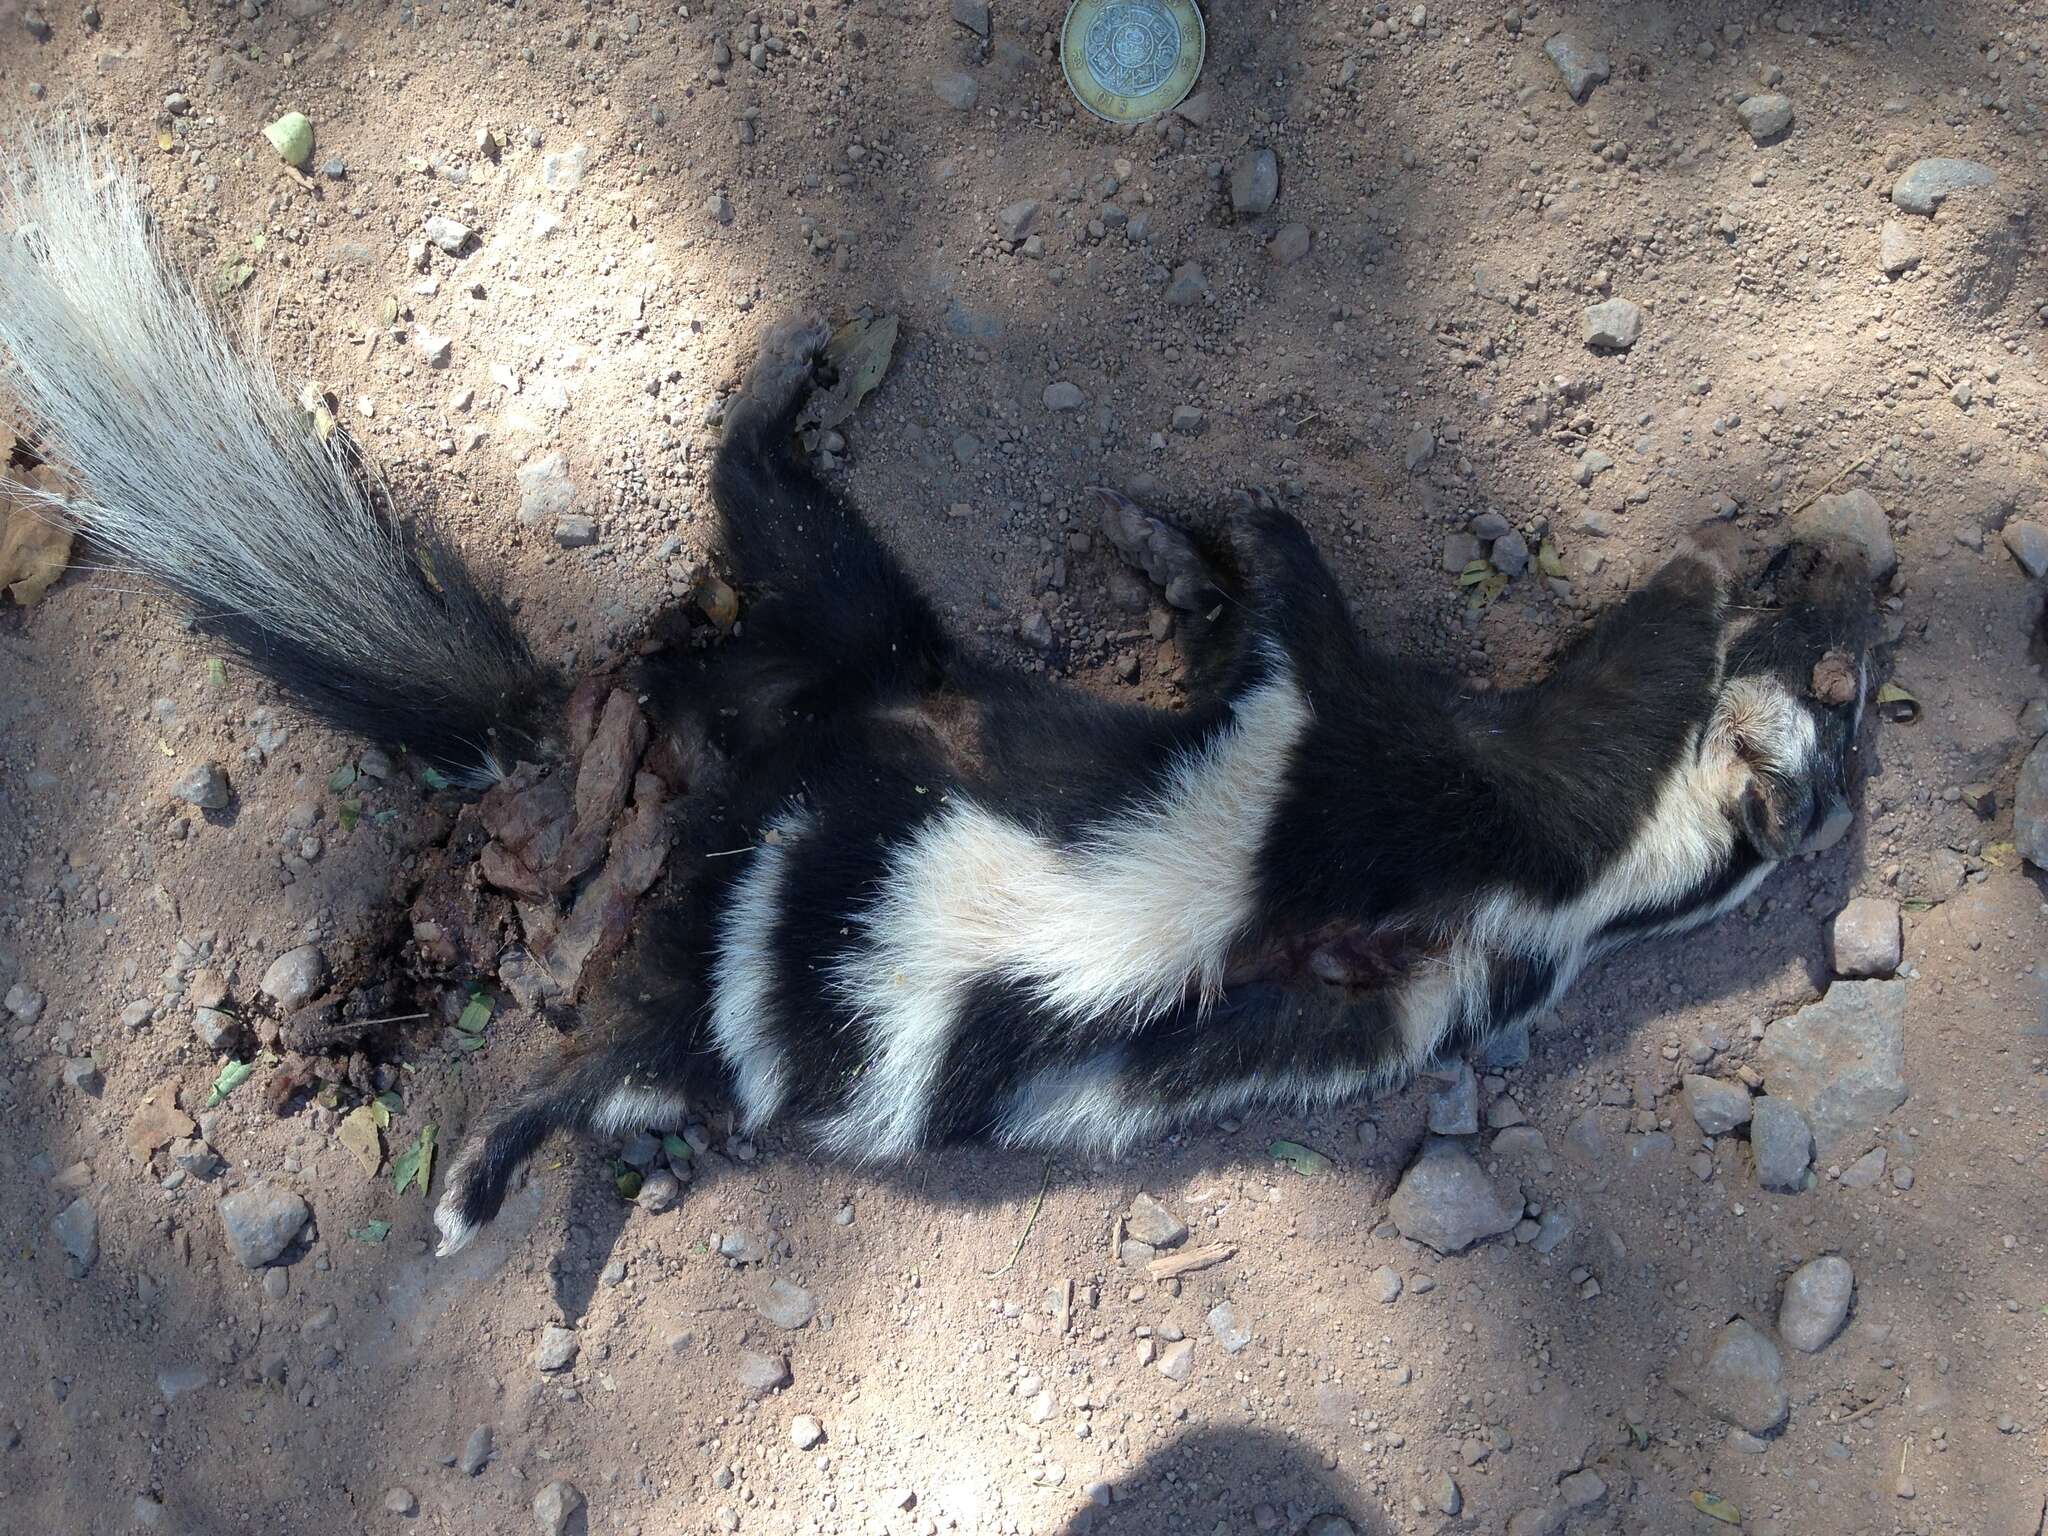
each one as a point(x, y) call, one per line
point(1582, 67)
point(205, 786)
point(559, 1510)
point(1188, 421)
point(1743, 1381)
point(1582, 1488)
point(956, 88)
point(575, 533)
point(434, 350)
point(1176, 1360)
point(1453, 1106)
point(1840, 1061)
point(659, 1191)
point(24, 1002)
point(1927, 184)
point(1188, 287)
point(1015, 221)
point(557, 1349)
point(77, 1230)
point(1232, 1331)
point(1898, 249)
point(1386, 1284)
point(2027, 542)
point(1716, 1107)
point(476, 1451)
point(718, 208)
point(805, 1431)
point(1420, 449)
point(1150, 1222)
point(1254, 181)
point(2030, 809)
point(1035, 630)
point(1766, 116)
point(1445, 1495)
point(261, 1222)
point(760, 1374)
point(399, 1501)
point(1510, 554)
point(1063, 396)
point(973, 15)
point(544, 490)
point(1290, 243)
point(1866, 1170)
point(1855, 516)
point(787, 1305)
point(1816, 1302)
point(1613, 323)
point(295, 977)
point(82, 1074)
point(1782, 1144)
point(1446, 1201)
point(446, 233)
point(1865, 938)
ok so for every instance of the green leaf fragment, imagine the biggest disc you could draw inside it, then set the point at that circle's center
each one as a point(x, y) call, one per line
point(476, 1013)
point(232, 276)
point(1303, 1160)
point(861, 351)
point(1714, 1507)
point(348, 813)
point(628, 1183)
point(434, 778)
point(342, 777)
point(216, 672)
point(677, 1149)
point(372, 1232)
point(1549, 560)
point(415, 1165)
point(231, 1076)
point(292, 137)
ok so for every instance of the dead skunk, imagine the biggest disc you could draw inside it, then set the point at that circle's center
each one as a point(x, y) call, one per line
point(969, 903)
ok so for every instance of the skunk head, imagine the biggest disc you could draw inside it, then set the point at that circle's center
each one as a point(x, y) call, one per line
point(1791, 699)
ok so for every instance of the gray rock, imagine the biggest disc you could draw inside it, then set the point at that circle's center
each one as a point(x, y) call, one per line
point(196, 1158)
point(1453, 1106)
point(1290, 243)
point(1816, 1302)
point(1539, 1520)
point(2030, 807)
point(1855, 516)
point(1177, 1359)
point(1592, 464)
point(761, 1374)
point(1150, 1222)
point(659, 1192)
point(1613, 323)
point(82, 1074)
point(1586, 1139)
point(560, 1510)
point(77, 1230)
point(956, 88)
point(1015, 221)
point(1386, 1284)
point(1445, 1494)
point(448, 234)
point(1520, 1141)
point(1841, 1061)
point(434, 349)
point(557, 1349)
point(1865, 938)
point(261, 1222)
point(1460, 550)
point(544, 490)
point(205, 786)
point(1552, 1228)
point(805, 1431)
point(1898, 249)
point(1420, 449)
point(1766, 116)
point(1865, 1171)
point(1716, 1107)
point(1188, 286)
point(1254, 181)
point(1063, 396)
point(1329, 1525)
point(973, 15)
point(2028, 543)
point(1927, 184)
point(476, 1451)
point(1782, 1144)
point(176, 1381)
point(1446, 1201)
point(1232, 1331)
point(1742, 1382)
point(1510, 554)
point(1509, 1048)
point(718, 207)
point(400, 1501)
point(218, 1030)
point(575, 533)
point(787, 1305)
point(295, 977)
point(1582, 66)
point(24, 1002)
point(1189, 420)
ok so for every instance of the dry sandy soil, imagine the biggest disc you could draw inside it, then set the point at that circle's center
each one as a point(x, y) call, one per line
point(659, 196)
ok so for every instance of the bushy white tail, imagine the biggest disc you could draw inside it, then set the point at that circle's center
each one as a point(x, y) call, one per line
point(190, 466)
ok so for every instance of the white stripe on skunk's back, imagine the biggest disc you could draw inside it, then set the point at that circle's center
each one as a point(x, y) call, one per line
point(1122, 925)
point(743, 975)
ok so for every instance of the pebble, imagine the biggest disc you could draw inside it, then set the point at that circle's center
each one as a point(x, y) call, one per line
point(973, 15)
point(557, 1349)
point(1419, 450)
point(1581, 65)
point(659, 1191)
point(1453, 1106)
point(1866, 1170)
point(1853, 515)
point(1510, 554)
point(447, 233)
point(1446, 1202)
point(476, 1451)
point(544, 490)
point(1445, 1494)
point(1898, 248)
point(1290, 243)
point(1582, 1488)
point(1865, 939)
point(260, 1222)
point(77, 1230)
point(1386, 1283)
point(82, 1074)
point(295, 977)
point(1613, 323)
point(555, 1506)
point(805, 1431)
point(1782, 1144)
point(1716, 1107)
point(1176, 1360)
point(1230, 1329)
point(2030, 809)
point(434, 350)
point(2027, 542)
point(399, 1501)
point(24, 1002)
point(1743, 1380)
point(1816, 1302)
point(1927, 184)
point(1841, 1061)
point(956, 88)
point(205, 786)
point(1015, 221)
point(1254, 181)
point(761, 1374)
point(1150, 1222)
point(575, 533)
point(718, 208)
point(1188, 287)
point(1766, 116)
point(787, 1305)
point(1063, 396)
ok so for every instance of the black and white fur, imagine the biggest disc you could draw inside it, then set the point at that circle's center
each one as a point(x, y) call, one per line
point(980, 905)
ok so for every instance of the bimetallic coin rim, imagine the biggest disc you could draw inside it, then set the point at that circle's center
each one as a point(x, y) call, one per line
point(1185, 10)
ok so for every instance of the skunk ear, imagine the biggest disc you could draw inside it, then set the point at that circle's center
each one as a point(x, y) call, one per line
point(1763, 827)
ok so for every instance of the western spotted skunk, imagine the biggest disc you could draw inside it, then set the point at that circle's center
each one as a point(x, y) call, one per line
point(976, 904)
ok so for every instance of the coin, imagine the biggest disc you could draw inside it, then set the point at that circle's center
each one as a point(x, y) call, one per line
point(1128, 60)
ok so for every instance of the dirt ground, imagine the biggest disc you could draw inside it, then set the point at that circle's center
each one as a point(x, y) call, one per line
point(982, 1359)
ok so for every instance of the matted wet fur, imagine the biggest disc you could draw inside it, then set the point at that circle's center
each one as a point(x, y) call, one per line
point(974, 904)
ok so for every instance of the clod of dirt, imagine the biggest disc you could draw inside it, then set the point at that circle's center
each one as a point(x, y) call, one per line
point(1835, 681)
